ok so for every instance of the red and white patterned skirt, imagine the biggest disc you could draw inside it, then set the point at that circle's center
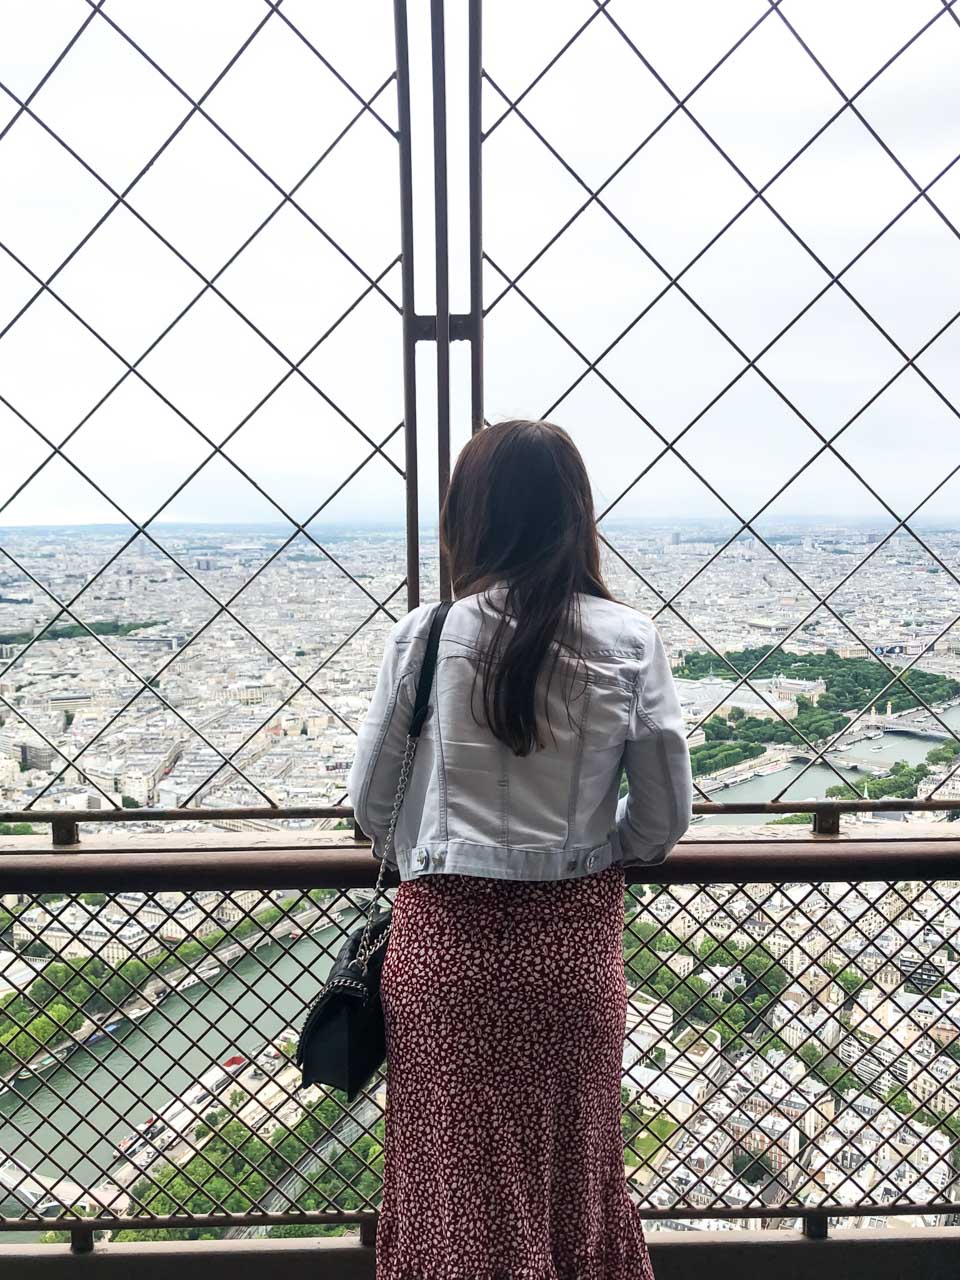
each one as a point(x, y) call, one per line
point(505, 1008)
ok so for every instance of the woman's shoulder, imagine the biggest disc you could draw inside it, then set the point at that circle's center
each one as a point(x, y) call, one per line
point(608, 626)
point(415, 625)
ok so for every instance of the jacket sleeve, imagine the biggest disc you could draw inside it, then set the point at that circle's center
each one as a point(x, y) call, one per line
point(373, 779)
point(656, 810)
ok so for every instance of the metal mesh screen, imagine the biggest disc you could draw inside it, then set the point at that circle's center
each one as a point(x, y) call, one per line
point(727, 238)
point(789, 1046)
point(148, 1061)
point(203, 236)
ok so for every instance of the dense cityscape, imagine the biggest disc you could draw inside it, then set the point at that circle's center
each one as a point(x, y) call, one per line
point(798, 1043)
point(239, 668)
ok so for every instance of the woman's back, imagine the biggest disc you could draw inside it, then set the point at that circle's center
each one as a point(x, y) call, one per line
point(474, 806)
point(503, 987)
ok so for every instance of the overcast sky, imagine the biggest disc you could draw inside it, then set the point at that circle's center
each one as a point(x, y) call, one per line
point(594, 107)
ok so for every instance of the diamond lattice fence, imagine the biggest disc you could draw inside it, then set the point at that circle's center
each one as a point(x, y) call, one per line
point(727, 237)
point(792, 1045)
point(200, 241)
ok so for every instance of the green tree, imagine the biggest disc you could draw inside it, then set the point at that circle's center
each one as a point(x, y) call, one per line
point(751, 1167)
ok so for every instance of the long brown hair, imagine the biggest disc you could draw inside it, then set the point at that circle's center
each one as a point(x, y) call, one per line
point(519, 511)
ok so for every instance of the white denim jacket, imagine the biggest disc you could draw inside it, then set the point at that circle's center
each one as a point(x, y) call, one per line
point(472, 807)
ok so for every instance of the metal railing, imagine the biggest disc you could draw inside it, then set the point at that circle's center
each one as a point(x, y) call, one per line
point(791, 1050)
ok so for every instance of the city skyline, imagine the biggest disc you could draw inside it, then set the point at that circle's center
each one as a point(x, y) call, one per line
point(839, 520)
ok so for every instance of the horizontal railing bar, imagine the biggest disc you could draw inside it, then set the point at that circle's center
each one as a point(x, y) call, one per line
point(281, 814)
point(350, 865)
point(327, 1217)
point(259, 813)
point(897, 805)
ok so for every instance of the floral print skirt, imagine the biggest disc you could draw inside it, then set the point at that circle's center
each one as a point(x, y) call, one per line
point(505, 1008)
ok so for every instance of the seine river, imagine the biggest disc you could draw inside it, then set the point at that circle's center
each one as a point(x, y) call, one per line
point(815, 781)
point(119, 1085)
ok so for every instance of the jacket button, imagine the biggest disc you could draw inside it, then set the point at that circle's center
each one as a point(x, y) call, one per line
point(422, 858)
point(591, 861)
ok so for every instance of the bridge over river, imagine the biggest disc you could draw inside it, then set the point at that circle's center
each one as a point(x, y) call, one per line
point(925, 728)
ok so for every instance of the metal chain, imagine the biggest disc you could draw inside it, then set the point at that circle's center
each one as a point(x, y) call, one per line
point(365, 950)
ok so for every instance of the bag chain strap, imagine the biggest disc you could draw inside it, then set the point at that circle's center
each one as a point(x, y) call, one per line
point(364, 951)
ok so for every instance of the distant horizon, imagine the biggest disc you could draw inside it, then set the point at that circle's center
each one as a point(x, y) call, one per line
point(687, 521)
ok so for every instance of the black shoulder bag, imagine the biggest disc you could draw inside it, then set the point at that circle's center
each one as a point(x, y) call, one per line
point(343, 1042)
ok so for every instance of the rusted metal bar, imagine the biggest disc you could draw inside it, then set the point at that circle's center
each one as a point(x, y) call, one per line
point(259, 812)
point(442, 265)
point(65, 831)
point(368, 1217)
point(409, 333)
point(828, 806)
point(826, 822)
point(475, 154)
point(263, 867)
point(825, 808)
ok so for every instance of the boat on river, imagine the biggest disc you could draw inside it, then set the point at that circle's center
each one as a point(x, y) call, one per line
point(47, 1063)
point(206, 971)
point(59, 1055)
point(101, 1032)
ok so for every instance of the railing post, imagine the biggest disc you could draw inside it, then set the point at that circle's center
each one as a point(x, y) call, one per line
point(442, 265)
point(81, 1240)
point(474, 91)
point(826, 822)
point(409, 338)
point(65, 831)
point(815, 1226)
point(368, 1232)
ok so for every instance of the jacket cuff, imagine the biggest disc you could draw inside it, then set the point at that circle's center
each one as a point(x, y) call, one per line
point(633, 848)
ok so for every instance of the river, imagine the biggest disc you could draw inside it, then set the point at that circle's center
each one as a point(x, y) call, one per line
point(813, 783)
point(101, 1093)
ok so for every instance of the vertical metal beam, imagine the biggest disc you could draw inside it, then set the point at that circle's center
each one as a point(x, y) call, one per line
point(409, 315)
point(475, 157)
point(441, 231)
